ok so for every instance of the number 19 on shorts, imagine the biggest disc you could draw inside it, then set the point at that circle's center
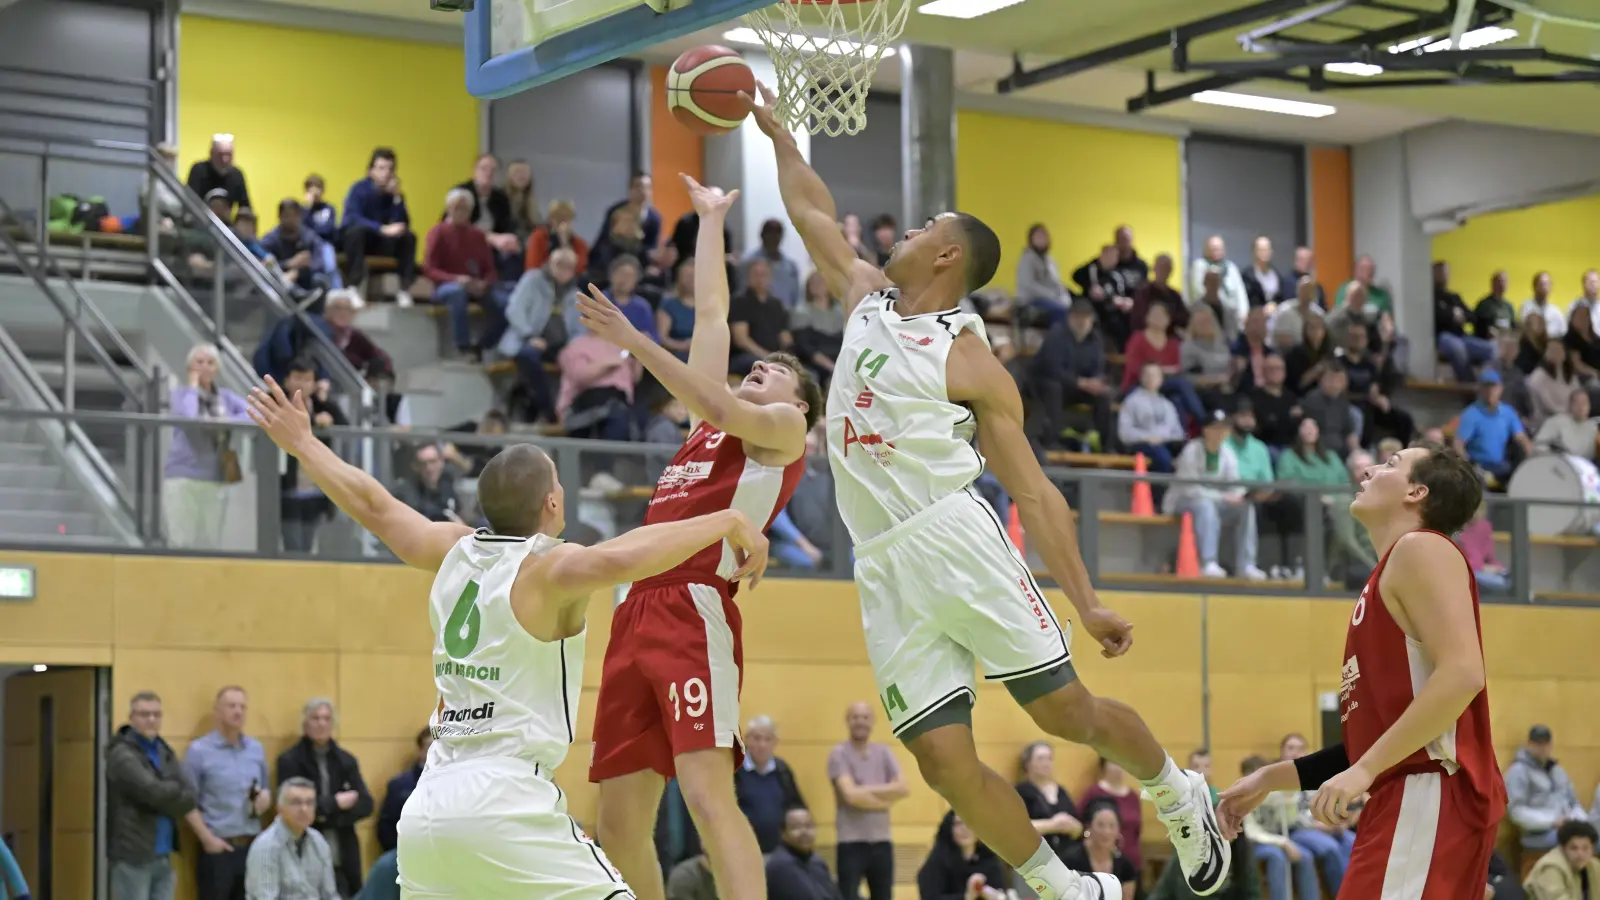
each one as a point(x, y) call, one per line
point(691, 700)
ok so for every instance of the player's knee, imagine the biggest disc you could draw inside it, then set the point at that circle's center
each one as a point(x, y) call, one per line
point(707, 794)
point(951, 770)
point(1068, 713)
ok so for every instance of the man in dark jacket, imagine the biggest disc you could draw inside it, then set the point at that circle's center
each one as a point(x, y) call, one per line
point(399, 791)
point(342, 795)
point(765, 784)
point(376, 222)
point(794, 870)
point(147, 794)
point(1070, 369)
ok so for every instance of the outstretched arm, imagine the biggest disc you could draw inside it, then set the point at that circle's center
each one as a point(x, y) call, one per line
point(418, 542)
point(576, 572)
point(812, 210)
point(708, 348)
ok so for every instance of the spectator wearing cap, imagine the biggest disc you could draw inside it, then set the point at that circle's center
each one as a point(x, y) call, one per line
point(376, 222)
point(1208, 458)
point(1069, 370)
point(303, 257)
point(320, 216)
point(1488, 429)
point(1158, 289)
point(1462, 351)
point(459, 260)
point(1539, 794)
point(218, 173)
point(785, 273)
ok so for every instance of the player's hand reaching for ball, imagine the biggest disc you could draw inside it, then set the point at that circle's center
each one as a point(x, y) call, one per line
point(605, 321)
point(766, 112)
point(284, 420)
point(708, 200)
point(1113, 632)
point(749, 548)
point(1333, 801)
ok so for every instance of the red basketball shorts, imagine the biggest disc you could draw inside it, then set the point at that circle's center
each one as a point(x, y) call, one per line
point(671, 680)
point(1421, 837)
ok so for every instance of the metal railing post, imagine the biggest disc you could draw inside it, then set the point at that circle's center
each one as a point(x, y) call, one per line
point(1316, 551)
point(1521, 555)
point(269, 492)
point(219, 299)
point(41, 223)
point(69, 363)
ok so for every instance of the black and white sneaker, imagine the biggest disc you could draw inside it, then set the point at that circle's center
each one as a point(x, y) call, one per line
point(1203, 854)
point(1090, 886)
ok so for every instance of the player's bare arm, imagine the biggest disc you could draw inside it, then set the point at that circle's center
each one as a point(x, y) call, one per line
point(1249, 792)
point(812, 210)
point(779, 428)
point(1429, 593)
point(974, 377)
point(570, 573)
point(418, 542)
point(708, 346)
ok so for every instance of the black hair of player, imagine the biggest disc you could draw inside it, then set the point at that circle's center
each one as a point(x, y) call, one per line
point(301, 364)
point(983, 251)
point(810, 390)
point(1454, 489)
point(381, 153)
point(513, 488)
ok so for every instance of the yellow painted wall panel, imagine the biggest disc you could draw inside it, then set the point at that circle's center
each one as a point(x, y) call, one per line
point(379, 608)
point(74, 607)
point(1552, 237)
point(1258, 710)
point(1277, 631)
point(380, 691)
point(175, 602)
point(278, 684)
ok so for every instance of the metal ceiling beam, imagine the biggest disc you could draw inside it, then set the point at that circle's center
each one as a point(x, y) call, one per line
point(1023, 78)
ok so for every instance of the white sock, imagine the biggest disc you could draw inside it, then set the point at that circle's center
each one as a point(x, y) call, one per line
point(1168, 789)
point(1044, 866)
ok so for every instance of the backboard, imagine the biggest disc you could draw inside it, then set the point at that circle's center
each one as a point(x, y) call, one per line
point(512, 45)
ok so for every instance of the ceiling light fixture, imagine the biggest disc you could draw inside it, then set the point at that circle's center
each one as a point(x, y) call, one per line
point(40, 667)
point(1365, 70)
point(748, 37)
point(1264, 104)
point(965, 9)
point(1472, 40)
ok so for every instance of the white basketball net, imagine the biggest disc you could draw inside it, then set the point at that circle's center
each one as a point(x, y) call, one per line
point(825, 67)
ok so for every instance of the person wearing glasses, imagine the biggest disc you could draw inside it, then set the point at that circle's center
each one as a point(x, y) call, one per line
point(290, 860)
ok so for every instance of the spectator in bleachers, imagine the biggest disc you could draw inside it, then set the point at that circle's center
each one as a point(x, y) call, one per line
point(595, 396)
point(784, 272)
point(1371, 382)
point(1391, 348)
point(794, 870)
point(1555, 321)
point(1571, 430)
point(555, 234)
point(1251, 349)
point(1206, 359)
point(624, 280)
point(1229, 290)
point(304, 506)
point(1155, 344)
point(759, 321)
point(1111, 784)
point(228, 769)
point(684, 241)
point(376, 222)
point(1068, 370)
point(1039, 278)
point(1135, 272)
point(342, 798)
point(1583, 347)
point(1570, 870)
point(471, 456)
point(1210, 297)
point(1208, 458)
point(1506, 348)
point(1552, 385)
point(1539, 792)
point(867, 782)
point(959, 866)
point(1148, 422)
point(1494, 315)
point(201, 462)
point(1267, 827)
point(1100, 850)
point(302, 256)
point(491, 214)
point(1310, 461)
point(1365, 275)
point(430, 487)
point(525, 212)
point(146, 795)
point(1049, 804)
point(217, 171)
point(1305, 266)
point(1337, 418)
point(1277, 409)
point(461, 264)
point(399, 791)
point(536, 325)
point(818, 327)
point(675, 315)
point(646, 218)
point(339, 314)
point(1255, 464)
point(1464, 352)
point(1287, 326)
point(1311, 357)
point(623, 238)
point(1157, 289)
point(320, 216)
point(1263, 283)
point(691, 880)
point(1590, 295)
point(1328, 845)
point(811, 509)
point(851, 226)
point(1530, 346)
point(1488, 428)
point(1355, 310)
point(1107, 287)
point(765, 784)
point(884, 235)
point(1477, 545)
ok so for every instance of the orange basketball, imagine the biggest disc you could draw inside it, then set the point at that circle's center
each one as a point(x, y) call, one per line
point(703, 88)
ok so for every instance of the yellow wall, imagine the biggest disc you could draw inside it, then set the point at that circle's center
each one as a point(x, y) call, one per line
point(301, 101)
point(1081, 182)
point(359, 634)
point(1556, 237)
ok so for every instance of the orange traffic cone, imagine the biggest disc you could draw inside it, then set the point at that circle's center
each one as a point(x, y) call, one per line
point(1014, 530)
point(1188, 555)
point(1143, 504)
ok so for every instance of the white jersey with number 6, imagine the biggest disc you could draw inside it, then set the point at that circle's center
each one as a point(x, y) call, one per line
point(896, 442)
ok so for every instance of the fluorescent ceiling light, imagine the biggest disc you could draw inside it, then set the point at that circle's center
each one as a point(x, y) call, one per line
point(1472, 40)
point(40, 667)
point(965, 9)
point(1365, 70)
point(1264, 104)
point(806, 42)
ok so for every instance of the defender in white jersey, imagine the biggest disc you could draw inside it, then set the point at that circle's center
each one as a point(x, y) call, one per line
point(941, 586)
point(507, 609)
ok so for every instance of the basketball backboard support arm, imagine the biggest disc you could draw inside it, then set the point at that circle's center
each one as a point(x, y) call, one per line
point(630, 26)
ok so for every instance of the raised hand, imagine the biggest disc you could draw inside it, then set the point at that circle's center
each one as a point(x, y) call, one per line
point(286, 421)
point(709, 200)
point(766, 112)
point(605, 321)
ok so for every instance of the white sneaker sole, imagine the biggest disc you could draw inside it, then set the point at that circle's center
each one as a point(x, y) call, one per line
point(1222, 851)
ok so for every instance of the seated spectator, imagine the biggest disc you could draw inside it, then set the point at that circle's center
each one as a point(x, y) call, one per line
point(396, 407)
point(1372, 381)
point(1111, 784)
point(1569, 871)
point(1506, 348)
point(1305, 266)
point(302, 256)
point(320, 216)
point(1255, 464)
point(1277, 409)
point(765, 784)
point(1229, 290)
point(1148, 422)
point(1210, 297)
point(1251, 349)
point(1555, 321)
point(624, 280)
point(339, 314)
point(1267, 828)
point(399, 791)
point(461, 264)
point(536, 326)
point(471, 456)
point(525, 212)
point(1209, 458)
point(1464, 352)
point(684, 240)
point(1531, 343)
point(1155, 344)
point(785, 272)
point(818, 327)
point(244, 228)
point(1206, 359)
point(1539, 793)
point(1387, 448)
point(959, 866)
point(1100, 850)
point(794, 870)
point(201, 462)
point(759, 321)
point(1391, 348)
point(430, 488)
point(1503, 883)
point(1583, 347)
point(491, 206)
point(1068, 370)
point(1355, 310)
point(1264, 285)
point(1049, 805)
point(812, 509)
point(376, 222)
point(668, 422)
point(645, 218)
point(1156, 289)
point(1477, 544)
point(1134, 270)
point(1337, 418)
point(1572, 430)
point(1488, 429)
point(1310, 461)
point(675, 315)
point(1366, 271)
point(1327, 844)
point(1552, 384)
point(555, 234)
point(595, 397)
point(1494, 315)
point(623, 238)
point(1107, 287)
point(342, 797)
point(676, 837)
point(1287, 326)
point(304, 506)
point(1590, 296)
point(290, 860)
point(691, 880)
point(217, 172)
point(1311, 357)
point(1039, 279)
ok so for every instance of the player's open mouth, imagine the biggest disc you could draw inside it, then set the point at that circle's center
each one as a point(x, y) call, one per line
point(754, 379)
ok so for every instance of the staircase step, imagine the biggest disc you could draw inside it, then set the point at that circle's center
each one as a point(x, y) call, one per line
point(20, 475)
point(24, 453)
point(58, 499)
point(12, 538)
point(29, 521)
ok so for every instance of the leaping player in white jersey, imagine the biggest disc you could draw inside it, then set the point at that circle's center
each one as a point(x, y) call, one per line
point(940, 585)
point(507, 608)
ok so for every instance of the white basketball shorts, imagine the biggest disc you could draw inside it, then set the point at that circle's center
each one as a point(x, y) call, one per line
point(945, 589)
point(497, 829)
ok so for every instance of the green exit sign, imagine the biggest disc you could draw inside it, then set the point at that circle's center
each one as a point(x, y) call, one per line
point(17, 583)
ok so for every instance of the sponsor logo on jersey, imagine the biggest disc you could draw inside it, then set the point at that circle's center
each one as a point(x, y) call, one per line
point(682, 475)
point(1348, 676)
point(913, 343)
point(870, 441)
point(1035, 604)
point(466, 671)
point(864, 400)
point(459, 722)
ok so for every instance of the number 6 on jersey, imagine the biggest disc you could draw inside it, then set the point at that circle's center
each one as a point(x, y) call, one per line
point(694, 695)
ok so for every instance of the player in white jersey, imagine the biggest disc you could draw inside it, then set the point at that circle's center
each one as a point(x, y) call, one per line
point(507, 609)
point(941, 587)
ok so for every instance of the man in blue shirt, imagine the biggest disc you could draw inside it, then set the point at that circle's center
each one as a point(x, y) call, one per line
point(1488, 427)
point(306, 261)
point(146, 793)
point(376, 223)
point(232, 792)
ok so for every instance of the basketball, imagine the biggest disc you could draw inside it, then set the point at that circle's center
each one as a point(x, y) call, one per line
point(703, 88)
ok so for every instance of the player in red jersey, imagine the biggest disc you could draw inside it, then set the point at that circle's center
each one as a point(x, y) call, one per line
point(1412, 697)
point(669, 692)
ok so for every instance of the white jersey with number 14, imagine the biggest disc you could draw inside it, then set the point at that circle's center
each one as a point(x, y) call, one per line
point(896, 442)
